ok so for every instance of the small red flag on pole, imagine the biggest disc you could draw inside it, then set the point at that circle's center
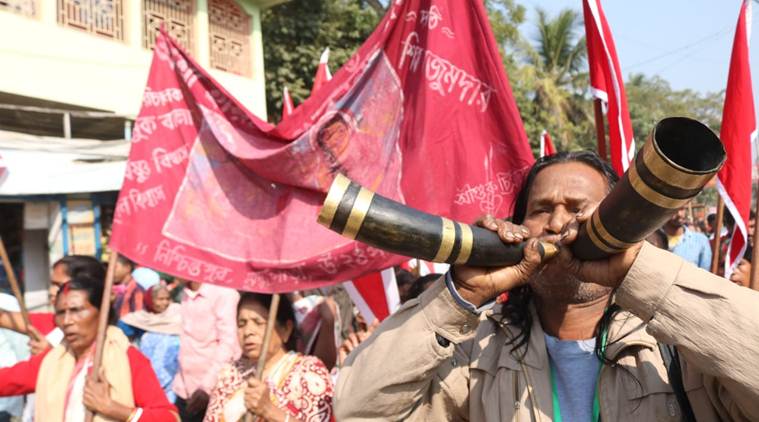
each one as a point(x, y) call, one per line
point(287, 103)
point(737, 134)
point(375, 294)
point(607, 85)
point(323, 75)
point(546, 145)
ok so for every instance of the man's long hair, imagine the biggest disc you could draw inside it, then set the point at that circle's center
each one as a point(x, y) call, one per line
point(516, 311)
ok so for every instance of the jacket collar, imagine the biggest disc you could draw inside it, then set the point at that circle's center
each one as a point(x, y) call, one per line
point(491, 352)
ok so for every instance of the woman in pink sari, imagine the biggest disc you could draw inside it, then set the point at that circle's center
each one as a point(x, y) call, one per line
point(295, 387)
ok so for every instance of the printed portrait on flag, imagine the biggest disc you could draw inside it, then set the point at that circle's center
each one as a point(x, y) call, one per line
point(357, 137)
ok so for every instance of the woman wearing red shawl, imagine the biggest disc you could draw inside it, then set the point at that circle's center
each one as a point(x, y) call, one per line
point(128, 389)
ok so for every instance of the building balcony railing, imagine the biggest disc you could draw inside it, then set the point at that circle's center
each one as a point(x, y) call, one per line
point(22, 7)
point(101, 17)
point(229, 26)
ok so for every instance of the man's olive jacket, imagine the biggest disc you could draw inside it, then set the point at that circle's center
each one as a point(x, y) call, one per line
point(402, 372)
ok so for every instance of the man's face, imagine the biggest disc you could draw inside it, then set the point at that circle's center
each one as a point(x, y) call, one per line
point(678, 219)
point(120, 272)
point(58, 277)
point(558, 193)
point(751, 228)
point(78, 319)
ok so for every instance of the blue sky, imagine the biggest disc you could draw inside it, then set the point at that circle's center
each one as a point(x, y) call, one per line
point(687, 42)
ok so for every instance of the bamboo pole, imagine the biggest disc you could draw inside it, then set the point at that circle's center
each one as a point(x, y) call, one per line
point(717, 232)
point(105, 307)
point(691, 219)
point(600, 131)
point(754, 282)
point(14, 285)
point(270, 320)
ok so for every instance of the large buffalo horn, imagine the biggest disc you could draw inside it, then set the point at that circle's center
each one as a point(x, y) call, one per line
point(358, 213)
point(679, 158)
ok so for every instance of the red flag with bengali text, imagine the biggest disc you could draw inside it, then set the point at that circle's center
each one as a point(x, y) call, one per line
point(607, 84)
point(422, 113)
point(738, 134)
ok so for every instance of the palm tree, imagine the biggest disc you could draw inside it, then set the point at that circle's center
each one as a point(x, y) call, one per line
point(561, 52)
point(558, 58)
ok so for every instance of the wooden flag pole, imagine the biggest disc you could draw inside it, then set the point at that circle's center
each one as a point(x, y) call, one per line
point(716, 243)
point(691, 219)
point(105, 307)
point(418, 270)
point(754, 282)
point(270, 320)
point(14, 284)
point(600, 131)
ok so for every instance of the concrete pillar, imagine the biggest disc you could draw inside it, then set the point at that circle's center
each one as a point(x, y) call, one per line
point(202, 49)
point(48, 12)
point(257, 61)
point(133, 21)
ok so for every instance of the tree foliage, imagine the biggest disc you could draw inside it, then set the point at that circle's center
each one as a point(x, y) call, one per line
point(555, 81)
point(295, 34)
point(547, 71)
point(651, 98)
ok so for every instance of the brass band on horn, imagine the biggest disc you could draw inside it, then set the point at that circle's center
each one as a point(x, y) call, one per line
point(357, 213)
point(680, 156)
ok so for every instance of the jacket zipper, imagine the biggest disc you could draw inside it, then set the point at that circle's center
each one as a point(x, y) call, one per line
point(534, 403)
point(516, 395)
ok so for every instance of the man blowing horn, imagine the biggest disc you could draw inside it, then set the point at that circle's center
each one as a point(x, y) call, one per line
point(575, 341)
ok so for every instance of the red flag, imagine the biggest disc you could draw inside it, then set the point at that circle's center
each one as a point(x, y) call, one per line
point(323, 74)
point(738, 134)
point(287, 103)
point(546, 145)
point(425, 267)
point(375, 294)
point(422, 114)
point(607, 84)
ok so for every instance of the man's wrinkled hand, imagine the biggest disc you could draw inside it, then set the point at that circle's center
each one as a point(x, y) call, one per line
point(607, 272)
point(478, 285)
point(37, 342)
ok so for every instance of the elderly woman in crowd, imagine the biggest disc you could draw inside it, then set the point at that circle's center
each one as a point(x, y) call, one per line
point(155, 329)
point(295, 387)
point(128, 389)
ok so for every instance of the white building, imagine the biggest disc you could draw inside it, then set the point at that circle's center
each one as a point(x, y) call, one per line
point(72, 77)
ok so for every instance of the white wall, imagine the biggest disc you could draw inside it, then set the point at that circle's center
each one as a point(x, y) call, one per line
point(41, 59)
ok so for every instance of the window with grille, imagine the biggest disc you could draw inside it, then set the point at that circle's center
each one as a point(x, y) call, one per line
point(229, 33)
point(101, 17)
point(22, 7)
point(176, 15)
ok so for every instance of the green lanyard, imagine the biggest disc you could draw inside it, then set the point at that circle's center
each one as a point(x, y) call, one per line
point(555, 393)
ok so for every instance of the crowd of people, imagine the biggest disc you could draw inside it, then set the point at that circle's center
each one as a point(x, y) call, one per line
point(176, 349)
point(693, 240)
point(571, 341)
